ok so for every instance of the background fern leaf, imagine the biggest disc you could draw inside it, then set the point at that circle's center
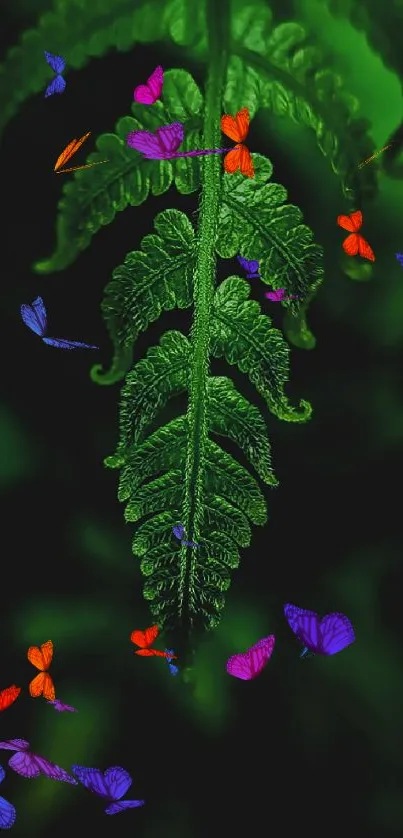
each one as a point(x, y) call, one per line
point(157, 278)
point(92, 197)
point(244, 337)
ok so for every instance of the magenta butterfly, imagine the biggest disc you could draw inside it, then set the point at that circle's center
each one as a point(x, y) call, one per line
point(163, 144)
point(111, 785)
point(325, 636)
point(62, 708)
point(279, 296)
point(149, 92)
point(249, 664)
point(31, 765)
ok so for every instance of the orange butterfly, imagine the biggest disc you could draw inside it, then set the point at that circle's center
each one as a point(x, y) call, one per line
point(68, 152)
point(41, 658)
point(144, 639)
point(8, 696)
point(236, 128)
point(355, 243)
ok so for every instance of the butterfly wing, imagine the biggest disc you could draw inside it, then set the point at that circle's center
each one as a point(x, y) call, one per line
point(245, 162)
point(92, 778)
point(41, 657)
point(8, 814)
point(399, 257)
point(352, 222)
point(143, 639)
point(275, 296)
point(336, 633)
point(56, 62)
point(117, 782)
point(57, 85)
point(151, 653)
point(251, 267)
point(14, 745)
point(34, 316)
point(170, 137)
point(51, 770)
point(69, 151)
point(121, 805)
point(148, 93)
point(42, 684)
point(62, 708)
point(146, 143)
point(350, 244)
point(178, 531)
point(172, 668)
point(61, 343)
point(23, 763)
point(8, 696)
point(236, 128)
point(364, 249)
point(305, 624)
point(249, 664)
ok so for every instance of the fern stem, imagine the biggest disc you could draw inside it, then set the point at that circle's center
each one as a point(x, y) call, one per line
point(204, 284)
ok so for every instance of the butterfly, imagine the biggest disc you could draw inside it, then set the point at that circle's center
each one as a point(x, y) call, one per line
point(355, 243)
point(325, 636)
point(7, 810)
point(278, 296)
point(62, 708)
point(111, 785)
point(399, 257)
point(163, 144)
point(41, 658)
point(144, 639)
point(57, 63)
point(34, 316)
point(149, 92)
point(8, 696)
point(250, 267)
point(31, 765)
point(249, 664)
point(179, 532)
point(172, 668)
point(68, 153)
point(236, 128)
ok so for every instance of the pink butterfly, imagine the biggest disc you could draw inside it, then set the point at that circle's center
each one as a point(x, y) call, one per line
point(249, 664)
point(279, 296)
point(163, 144)
point(149, 92)
point(27, 764)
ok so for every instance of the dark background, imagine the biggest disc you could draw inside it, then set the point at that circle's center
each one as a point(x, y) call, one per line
point(310, 745)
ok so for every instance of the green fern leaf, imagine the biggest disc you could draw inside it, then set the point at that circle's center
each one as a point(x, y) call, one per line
point(92, 198)
point(151, 280)
point(255, 221)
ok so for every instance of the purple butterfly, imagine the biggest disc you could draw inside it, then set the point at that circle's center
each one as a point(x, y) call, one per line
point(31, 765)
point(251, 267)
point(62, 708)
point(111, 785)
point(7, 810)
point(179, 532)
point(163, 144)
point(399, 257)
point(278, 296)
point(34, 316)
point(172, 668)
point(57, 64)
point(325, 636)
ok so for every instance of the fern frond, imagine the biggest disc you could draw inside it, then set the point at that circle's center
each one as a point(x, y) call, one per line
point(92, 201)
point(151, 280)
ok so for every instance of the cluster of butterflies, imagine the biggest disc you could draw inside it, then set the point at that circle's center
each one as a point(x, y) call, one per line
point(111, 785)
point(319, 636)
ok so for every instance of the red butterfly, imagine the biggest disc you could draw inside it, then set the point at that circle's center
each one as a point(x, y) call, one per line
point(236, 128)
point(8, 696)
point(144, 639)
point(355, 243)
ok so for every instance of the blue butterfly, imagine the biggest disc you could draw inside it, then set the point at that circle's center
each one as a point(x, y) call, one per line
point(7, 810)
point(250, 267)
point(57, 64)
point(399, 257)
point(172, 668)
point(34, 316)
point(179, 532)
